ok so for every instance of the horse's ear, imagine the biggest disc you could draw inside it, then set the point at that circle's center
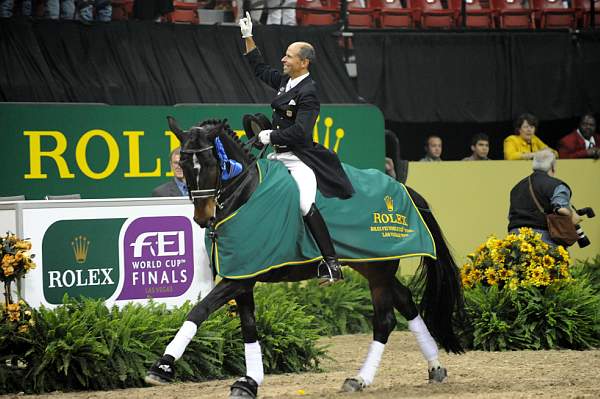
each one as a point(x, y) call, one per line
point(180, 134)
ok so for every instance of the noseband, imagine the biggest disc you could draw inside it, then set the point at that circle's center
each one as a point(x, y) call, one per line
point(205, 193)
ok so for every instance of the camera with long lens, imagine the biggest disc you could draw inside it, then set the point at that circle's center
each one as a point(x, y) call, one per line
point(583, 240)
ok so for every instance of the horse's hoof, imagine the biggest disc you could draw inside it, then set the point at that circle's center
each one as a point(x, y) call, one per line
point(244, 388)
point(355, 384)
point(438, 375)
point(162, 371)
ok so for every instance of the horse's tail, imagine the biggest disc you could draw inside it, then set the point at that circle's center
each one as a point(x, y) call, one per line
point(442, 303)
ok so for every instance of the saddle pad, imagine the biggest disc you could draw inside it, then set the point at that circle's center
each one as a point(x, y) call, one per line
point(379, 222)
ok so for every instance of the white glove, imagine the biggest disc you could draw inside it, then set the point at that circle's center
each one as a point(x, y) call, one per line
point(272, 156)
point(265, 136)
point(246, 26)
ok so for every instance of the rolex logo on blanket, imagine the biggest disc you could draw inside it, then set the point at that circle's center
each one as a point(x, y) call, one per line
point(379, 222)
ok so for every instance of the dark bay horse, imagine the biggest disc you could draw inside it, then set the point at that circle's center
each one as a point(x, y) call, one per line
point(433, 322)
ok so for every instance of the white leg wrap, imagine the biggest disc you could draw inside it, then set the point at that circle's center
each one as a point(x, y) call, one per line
point(182, 339)
point(371, 364)
point(254, 364)
point(425, 340)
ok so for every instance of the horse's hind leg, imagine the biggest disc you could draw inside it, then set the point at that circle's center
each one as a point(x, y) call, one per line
point(403, 301)
point(247, 387)
point(384, 321)
point(163, 370)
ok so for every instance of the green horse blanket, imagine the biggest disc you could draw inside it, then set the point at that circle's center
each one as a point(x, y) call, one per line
point(379, 222)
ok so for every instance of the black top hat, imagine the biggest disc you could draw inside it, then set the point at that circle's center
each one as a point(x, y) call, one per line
point(253, 124)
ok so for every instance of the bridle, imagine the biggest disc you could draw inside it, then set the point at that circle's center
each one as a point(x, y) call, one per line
point(217, 191)
point(204, 193)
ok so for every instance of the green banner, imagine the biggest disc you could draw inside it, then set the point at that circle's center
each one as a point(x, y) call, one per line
point(81, 258)
point(103, 151)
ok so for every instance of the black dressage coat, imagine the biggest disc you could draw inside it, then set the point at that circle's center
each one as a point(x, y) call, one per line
point(294, 116)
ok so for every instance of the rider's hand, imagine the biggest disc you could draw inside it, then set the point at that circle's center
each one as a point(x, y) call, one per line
point(246, 26)
point(265, 136)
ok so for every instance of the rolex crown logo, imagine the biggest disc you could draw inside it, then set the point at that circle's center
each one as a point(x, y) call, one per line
point(389, 203)
point(80, 247)
point(339, 134)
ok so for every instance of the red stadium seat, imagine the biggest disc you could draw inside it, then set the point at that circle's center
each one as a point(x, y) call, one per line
point(433, 14)
point(513, 14)
point(584, 13)
point(121, 9)
point(477, 15)
point(361, 14)
point(316, 12)
point(184, 13)
point(552, 14)
point(392, 14)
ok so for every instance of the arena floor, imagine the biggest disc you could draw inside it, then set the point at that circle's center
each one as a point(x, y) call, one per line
point(403, 374)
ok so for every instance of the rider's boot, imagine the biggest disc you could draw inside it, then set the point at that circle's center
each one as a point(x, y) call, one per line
point(329, 270)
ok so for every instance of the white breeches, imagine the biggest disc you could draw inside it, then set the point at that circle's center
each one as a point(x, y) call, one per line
point(304, 177)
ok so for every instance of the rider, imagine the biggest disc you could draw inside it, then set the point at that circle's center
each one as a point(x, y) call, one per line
point(295, 111)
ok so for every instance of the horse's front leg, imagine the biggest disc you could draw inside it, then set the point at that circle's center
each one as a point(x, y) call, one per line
point(247, 387)
point(163, 370)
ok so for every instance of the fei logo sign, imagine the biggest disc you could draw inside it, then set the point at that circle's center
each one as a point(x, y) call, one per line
point(81, 258)
point(158, 257)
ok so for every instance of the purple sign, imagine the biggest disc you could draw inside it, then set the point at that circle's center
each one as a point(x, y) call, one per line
point(158, 258)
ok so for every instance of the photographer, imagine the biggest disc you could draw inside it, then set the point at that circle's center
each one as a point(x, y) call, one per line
point(552, 195)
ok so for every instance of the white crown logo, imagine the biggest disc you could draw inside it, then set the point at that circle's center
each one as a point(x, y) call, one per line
point(80, 247)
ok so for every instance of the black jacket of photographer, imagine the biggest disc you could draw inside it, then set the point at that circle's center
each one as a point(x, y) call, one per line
point(523, 212)
point(293, 127)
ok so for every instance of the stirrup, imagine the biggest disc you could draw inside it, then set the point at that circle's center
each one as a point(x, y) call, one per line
point(329, 271)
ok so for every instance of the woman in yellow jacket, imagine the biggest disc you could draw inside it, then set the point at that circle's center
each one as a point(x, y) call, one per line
point(525, 143)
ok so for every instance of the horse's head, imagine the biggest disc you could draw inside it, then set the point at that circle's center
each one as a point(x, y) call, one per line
point(200, 166)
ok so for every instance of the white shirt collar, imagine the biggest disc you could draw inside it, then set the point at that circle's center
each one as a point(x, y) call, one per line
point(294, 82)
point(587, 142)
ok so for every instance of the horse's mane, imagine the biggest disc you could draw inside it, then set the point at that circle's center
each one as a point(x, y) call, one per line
point(228, 132)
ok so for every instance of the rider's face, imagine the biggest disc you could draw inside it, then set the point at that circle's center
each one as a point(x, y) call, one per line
point(293, 66)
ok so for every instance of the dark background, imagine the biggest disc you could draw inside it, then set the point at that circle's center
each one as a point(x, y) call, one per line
point(453, 84)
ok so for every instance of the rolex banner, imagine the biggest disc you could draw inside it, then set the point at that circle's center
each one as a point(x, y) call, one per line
point(102, 151)
point(133, 251)
point(379, 222)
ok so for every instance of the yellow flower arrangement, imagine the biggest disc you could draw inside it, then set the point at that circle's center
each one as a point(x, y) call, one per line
point(19, 315)
point(516, 261)
point(15, 259)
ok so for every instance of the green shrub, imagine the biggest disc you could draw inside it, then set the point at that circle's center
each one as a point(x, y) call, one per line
point(562, 315)
point(84, 345)
point(589, 269)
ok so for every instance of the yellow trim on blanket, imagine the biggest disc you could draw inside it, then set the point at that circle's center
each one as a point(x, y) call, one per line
point(235, 213)
point(302, 262)
point(425, 224)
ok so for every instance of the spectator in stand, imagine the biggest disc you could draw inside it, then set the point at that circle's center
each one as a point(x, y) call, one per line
point(480, 147)
point(433, 149)
point(390, 169)
point(524, 144)
point(7, 6)
point(175, 187)
point(281, 12)
point(63, 9)
point(102, 8)
point(583, 142)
